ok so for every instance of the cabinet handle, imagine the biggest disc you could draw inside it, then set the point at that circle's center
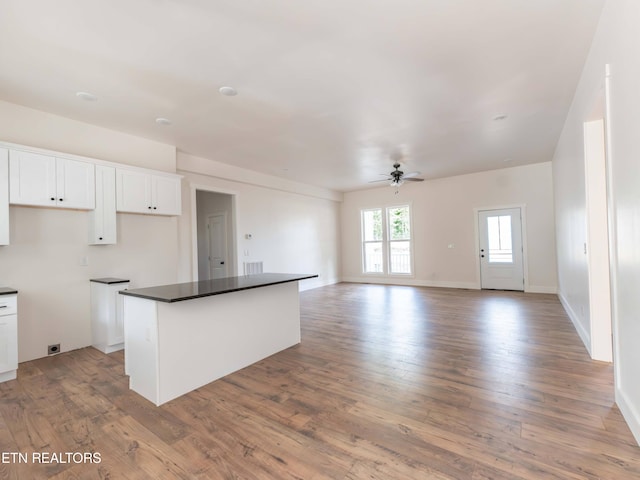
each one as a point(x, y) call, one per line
point(60, 199)
point(3, 306)
point(149, 207)
point(53, 199)
point(99, 238)
point(155, 208)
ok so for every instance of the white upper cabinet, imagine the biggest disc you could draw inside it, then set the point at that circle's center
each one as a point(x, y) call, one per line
point(32, 178)
point(102, 220)
point(142, 192)
point(165, 194)
point(133, 191)
point(4, 196)
point(76, 187)
point(44, 180)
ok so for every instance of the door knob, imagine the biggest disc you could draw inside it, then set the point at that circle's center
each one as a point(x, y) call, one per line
point(482, 256)
point(221, 263)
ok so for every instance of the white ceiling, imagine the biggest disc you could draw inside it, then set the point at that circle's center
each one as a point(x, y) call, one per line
point(329, 90)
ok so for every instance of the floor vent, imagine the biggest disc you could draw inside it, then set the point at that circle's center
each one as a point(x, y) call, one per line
point(251, 268)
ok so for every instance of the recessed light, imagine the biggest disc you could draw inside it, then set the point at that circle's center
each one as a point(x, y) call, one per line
point(228, 91)
point(163, 121)
point(89, 97)
point(502, 116)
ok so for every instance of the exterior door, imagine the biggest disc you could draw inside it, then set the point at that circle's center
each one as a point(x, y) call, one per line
point(501, 266)
point(217, 242)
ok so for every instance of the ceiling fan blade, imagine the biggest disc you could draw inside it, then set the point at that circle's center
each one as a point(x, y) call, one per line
point(412, 174)
point(413, 179)
point(383, 180)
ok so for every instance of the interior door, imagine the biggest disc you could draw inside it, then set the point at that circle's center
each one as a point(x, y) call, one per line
point(217, 242)
point(501, 266)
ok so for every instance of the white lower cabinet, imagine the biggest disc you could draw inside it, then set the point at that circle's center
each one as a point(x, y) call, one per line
point(8, 334)
point(107, 327)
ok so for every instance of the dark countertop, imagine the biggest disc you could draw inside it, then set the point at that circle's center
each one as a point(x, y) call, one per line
point(205, 288)
point(108, 280)
point(10, 291)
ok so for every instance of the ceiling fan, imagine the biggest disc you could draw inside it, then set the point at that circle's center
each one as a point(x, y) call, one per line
point(397, 177)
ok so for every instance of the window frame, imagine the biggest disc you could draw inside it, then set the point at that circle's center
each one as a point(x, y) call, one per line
point(386, 241)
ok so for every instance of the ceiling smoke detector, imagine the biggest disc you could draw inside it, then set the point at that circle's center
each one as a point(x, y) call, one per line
point(86, 96)
point(228, 91)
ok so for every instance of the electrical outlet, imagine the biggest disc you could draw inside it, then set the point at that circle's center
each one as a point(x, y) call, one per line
point(53, 349)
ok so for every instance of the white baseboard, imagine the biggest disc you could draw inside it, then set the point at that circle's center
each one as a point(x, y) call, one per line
point(541, 289)
point(436, 283)
point(630, 414)
point(317, 283)
point(411, 282)
point(584, 335)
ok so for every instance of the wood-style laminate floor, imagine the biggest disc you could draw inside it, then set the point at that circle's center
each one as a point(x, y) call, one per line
point(389, 382)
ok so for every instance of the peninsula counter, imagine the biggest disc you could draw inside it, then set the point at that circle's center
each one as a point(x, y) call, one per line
point(180, 337)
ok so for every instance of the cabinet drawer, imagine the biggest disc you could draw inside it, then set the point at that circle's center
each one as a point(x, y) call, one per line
point(8, 305)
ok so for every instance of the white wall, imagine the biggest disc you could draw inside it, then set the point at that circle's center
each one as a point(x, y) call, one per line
point(42, 261)
point(291, 231)
point(617, 42)
point(40, 129)
point(443, 214)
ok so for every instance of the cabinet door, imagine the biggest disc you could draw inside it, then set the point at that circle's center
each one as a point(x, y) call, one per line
point(116, 328)
point(102, 220)
point(8, 343)
point(75, 184)
point(4, 196)
point(166, 195)
point(32, 179)
point(133, 191)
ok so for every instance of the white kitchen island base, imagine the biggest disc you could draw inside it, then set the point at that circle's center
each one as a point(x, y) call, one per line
point(173, 348)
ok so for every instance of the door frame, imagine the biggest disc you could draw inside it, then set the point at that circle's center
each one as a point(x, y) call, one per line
point(233, 250)
point(523, 225)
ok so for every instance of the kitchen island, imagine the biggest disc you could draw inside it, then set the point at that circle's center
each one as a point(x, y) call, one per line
point(180, 337)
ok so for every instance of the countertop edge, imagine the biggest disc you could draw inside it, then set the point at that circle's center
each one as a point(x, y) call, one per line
point(131, 293)
point(109, 280)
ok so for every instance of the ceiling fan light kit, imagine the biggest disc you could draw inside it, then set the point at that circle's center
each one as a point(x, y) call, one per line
point(397, 177)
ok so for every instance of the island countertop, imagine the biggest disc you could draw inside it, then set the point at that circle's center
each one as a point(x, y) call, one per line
point(178, 292)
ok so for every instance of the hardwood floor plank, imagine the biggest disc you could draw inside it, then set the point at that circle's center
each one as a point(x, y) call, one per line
point(389, 382)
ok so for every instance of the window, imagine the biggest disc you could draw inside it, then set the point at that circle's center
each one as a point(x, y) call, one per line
point(372, 240)
point(500, 249)
point(386, 240)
